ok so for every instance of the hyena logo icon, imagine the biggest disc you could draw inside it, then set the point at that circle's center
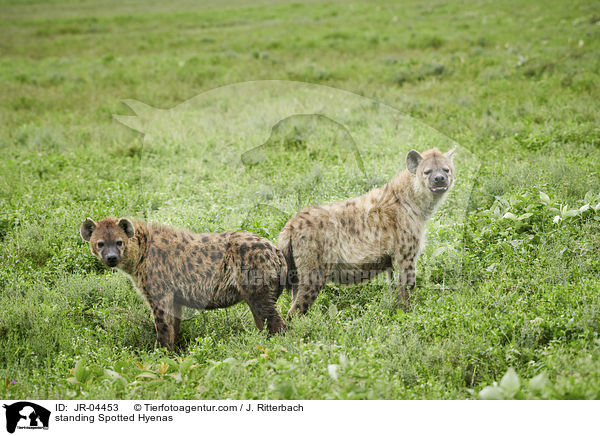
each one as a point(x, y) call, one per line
point(26, 415)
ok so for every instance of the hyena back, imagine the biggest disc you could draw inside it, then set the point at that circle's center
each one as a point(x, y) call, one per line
point(172, 268)
point(354, 240)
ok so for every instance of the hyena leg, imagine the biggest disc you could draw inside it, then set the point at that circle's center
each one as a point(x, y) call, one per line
point(164, 320)
point(177, 315)
point(264, 310)
point(260, 293)
point(390, 276)
point(408, 277)
point(293, 290)
point(291, 283)
point(307, 292)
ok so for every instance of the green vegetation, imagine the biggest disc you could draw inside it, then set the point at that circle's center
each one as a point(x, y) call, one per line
point(515, 83)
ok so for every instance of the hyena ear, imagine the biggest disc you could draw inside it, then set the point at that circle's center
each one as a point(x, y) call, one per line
point(127, 227)
point(450, 153)
point(87, 228)
point(413, 159)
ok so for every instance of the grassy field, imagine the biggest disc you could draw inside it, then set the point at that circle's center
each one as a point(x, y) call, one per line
point(516, 84)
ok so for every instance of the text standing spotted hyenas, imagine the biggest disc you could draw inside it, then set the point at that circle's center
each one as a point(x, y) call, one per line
point(172, 268)
point(354, 240)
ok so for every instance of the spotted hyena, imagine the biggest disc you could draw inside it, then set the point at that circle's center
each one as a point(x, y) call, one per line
point(172, 268)
point(354, 240)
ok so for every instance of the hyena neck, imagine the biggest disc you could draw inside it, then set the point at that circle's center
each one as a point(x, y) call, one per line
point(136, 249)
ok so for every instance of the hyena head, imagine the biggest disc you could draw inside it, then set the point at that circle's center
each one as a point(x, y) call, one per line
point(433, 170)
point(108, 238)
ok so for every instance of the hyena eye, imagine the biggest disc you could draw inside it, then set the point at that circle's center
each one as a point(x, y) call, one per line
point(427, 172)
point(100, 244)
point(446, 170)
point(119, 243)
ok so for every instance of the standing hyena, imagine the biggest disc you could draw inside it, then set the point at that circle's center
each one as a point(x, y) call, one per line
point(354, 240)
point(172, 268)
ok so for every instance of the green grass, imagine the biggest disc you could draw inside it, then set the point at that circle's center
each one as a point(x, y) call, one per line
point(515, 84)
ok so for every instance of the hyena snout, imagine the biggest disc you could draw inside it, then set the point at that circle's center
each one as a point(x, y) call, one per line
point(112, 257)
point(439, 181)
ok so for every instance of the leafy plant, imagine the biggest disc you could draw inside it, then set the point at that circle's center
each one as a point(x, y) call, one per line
point(510, 387)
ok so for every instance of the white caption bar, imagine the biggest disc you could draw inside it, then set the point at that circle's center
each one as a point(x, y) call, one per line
point(296, 417)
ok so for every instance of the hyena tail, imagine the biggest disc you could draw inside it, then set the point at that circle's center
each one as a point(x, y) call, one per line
point(285, 245)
